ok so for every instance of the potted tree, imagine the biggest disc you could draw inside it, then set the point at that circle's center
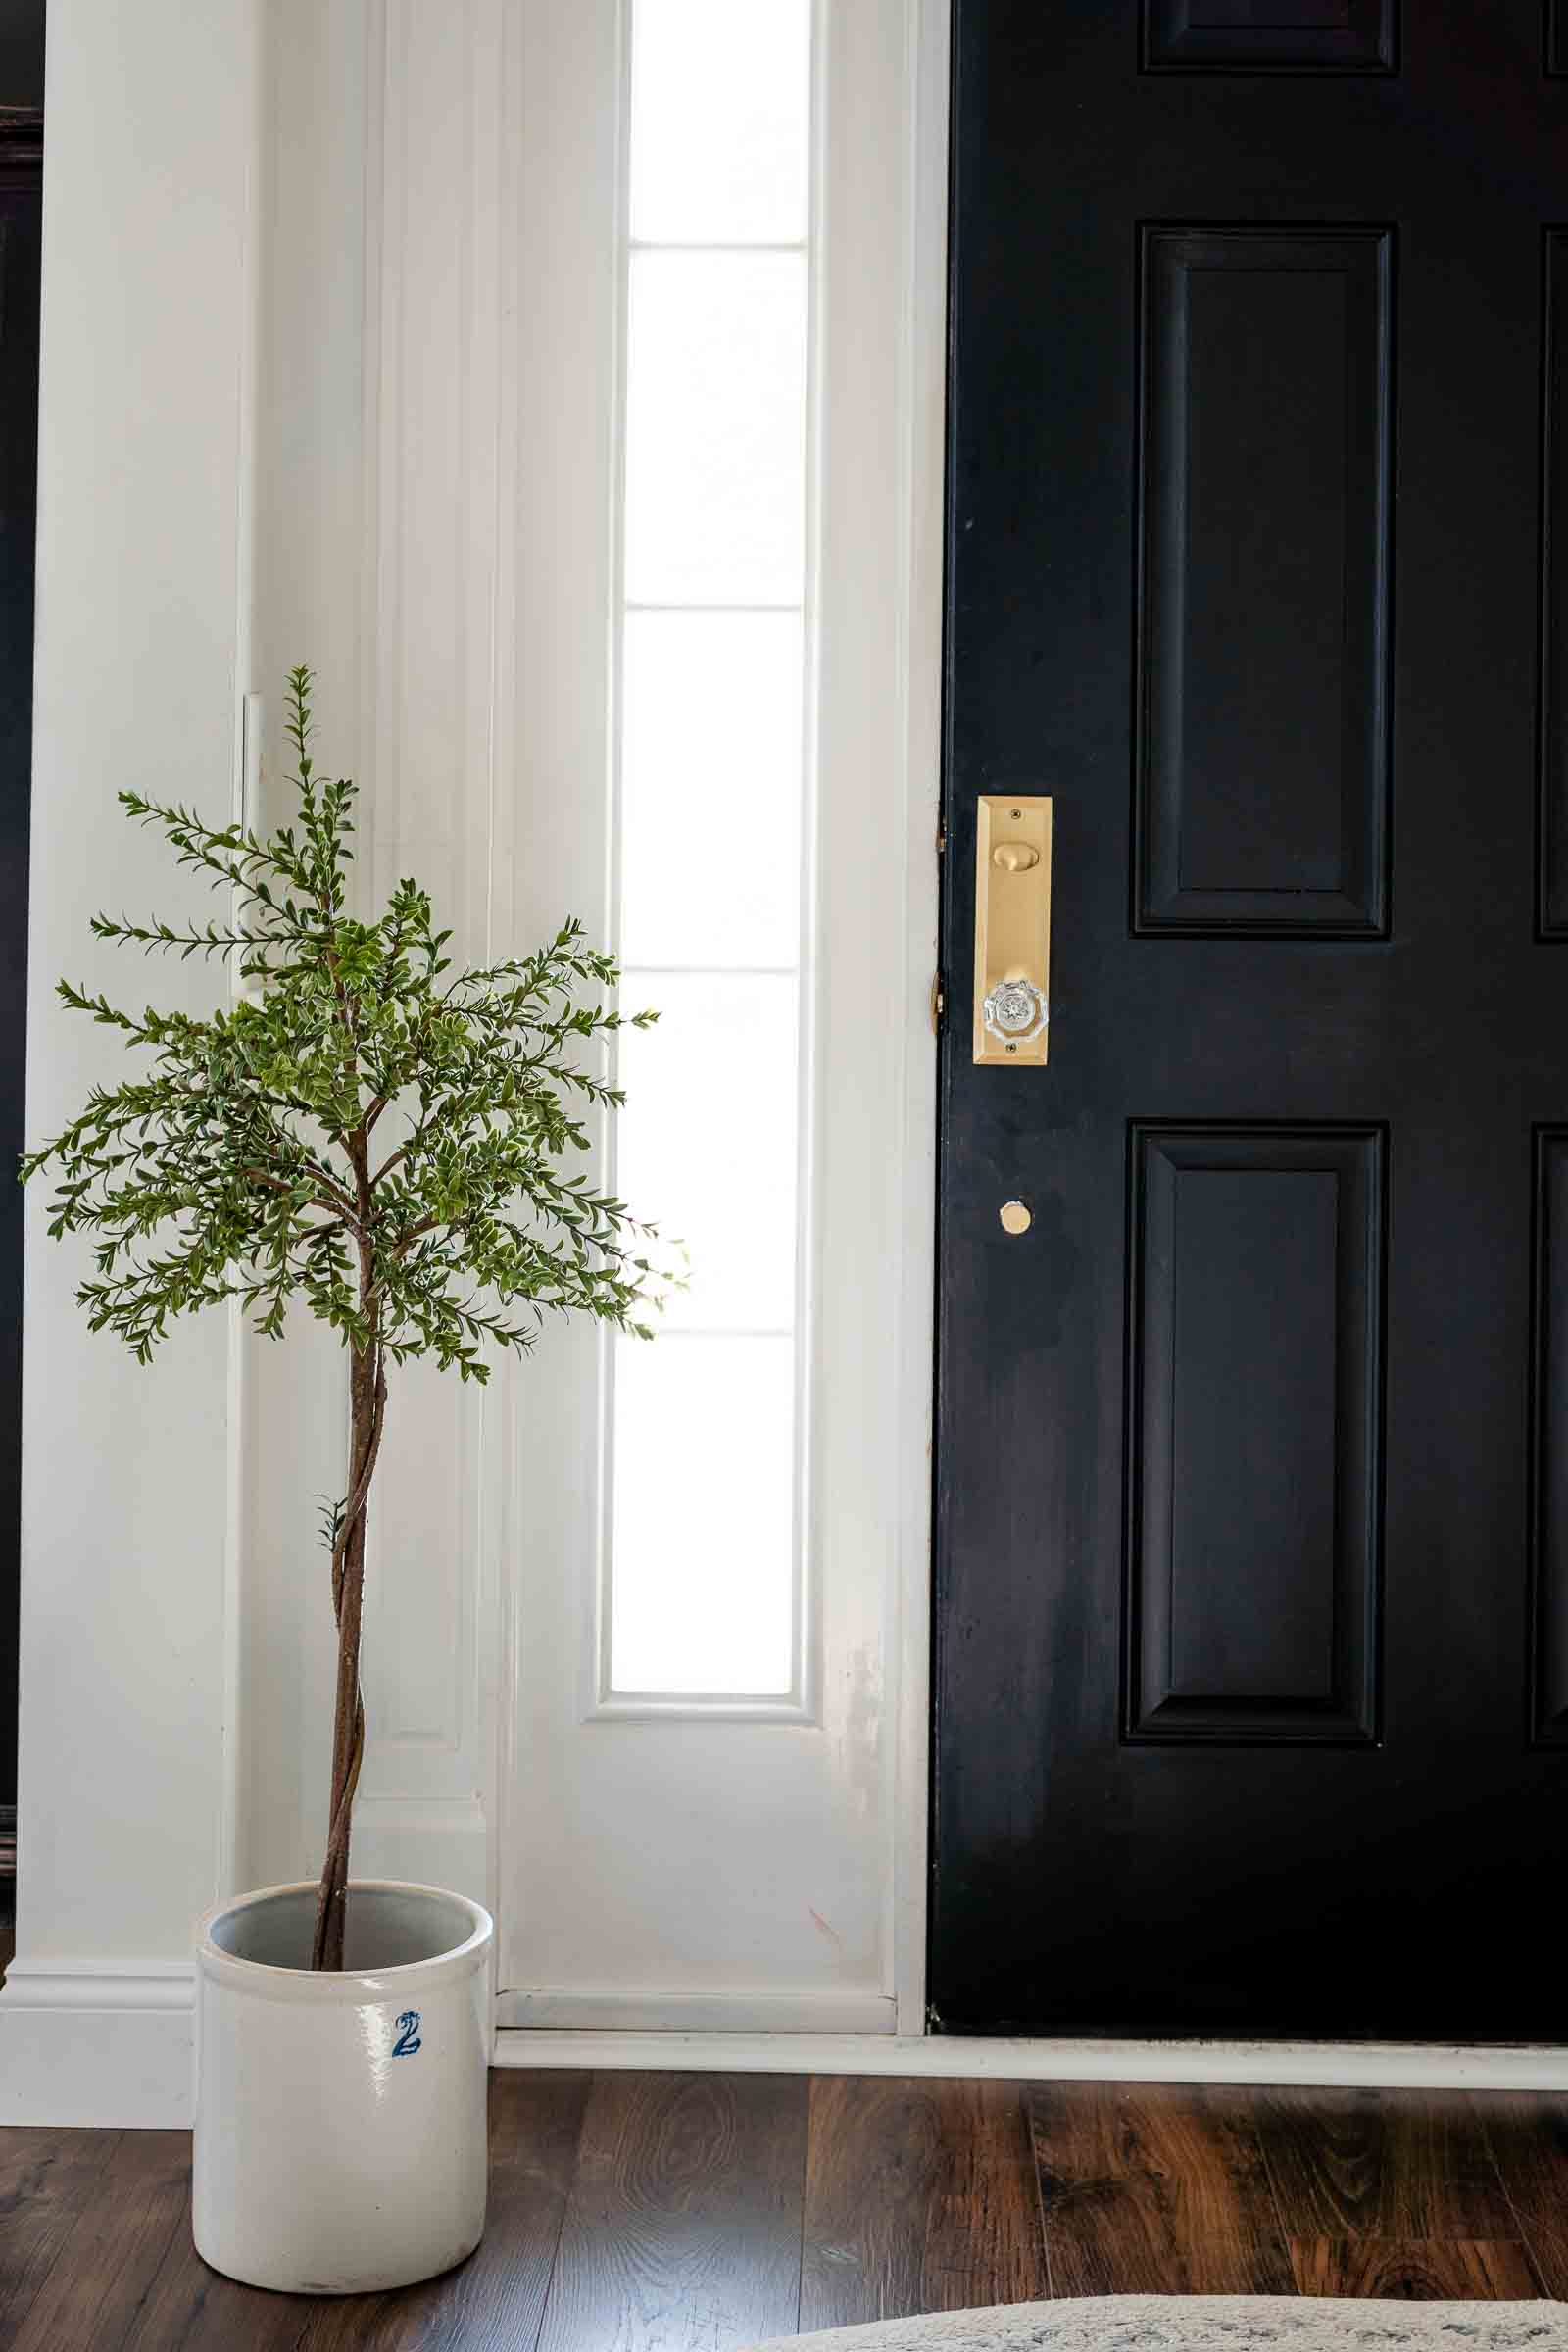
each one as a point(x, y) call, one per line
point(386, 1140)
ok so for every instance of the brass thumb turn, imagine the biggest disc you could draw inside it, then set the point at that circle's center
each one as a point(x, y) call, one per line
point(1014, 857)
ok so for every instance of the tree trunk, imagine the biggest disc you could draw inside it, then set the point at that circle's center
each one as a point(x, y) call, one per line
point(367, 1403)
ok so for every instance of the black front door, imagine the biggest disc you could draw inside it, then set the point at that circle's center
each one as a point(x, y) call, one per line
point(1252, 1450)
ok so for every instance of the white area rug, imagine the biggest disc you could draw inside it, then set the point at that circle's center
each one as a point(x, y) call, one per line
point(1208, 2323)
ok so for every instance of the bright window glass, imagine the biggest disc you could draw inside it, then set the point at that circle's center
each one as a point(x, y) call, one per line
point(703, 1483)
point(720, 91)
point(715, 439)
point(712, 1139)
point(704, 1587)
point(710, 720)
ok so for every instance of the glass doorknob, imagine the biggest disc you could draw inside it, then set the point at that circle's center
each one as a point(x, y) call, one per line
point(1015, 1011)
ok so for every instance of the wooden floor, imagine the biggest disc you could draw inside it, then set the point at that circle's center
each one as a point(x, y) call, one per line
point(695, 2213)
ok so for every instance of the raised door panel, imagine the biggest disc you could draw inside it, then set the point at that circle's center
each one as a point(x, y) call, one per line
point(1264, 37)
point(1262, 728)
point(1550, 1418)
point(1554, 855)
point(1256, 1326)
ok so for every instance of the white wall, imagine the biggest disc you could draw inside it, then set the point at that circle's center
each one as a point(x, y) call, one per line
point(143, 596)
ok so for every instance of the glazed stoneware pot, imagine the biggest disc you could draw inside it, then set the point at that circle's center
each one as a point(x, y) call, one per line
point(340, 2119)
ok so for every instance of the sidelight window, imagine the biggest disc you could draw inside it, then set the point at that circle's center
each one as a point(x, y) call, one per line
point(703, 1595)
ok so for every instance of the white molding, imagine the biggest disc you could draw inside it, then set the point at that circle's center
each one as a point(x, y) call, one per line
point(113, 2049)
point(923, 435)
point(753, 2015)
point(98, 2047)
point(155, 1985)
point(244, 794)
point(655, 1707)
point(1382, 2066)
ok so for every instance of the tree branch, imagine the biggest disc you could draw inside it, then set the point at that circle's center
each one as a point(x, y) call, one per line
point(335, 1200)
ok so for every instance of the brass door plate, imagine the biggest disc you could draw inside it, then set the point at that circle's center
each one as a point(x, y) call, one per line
point(1012, 929)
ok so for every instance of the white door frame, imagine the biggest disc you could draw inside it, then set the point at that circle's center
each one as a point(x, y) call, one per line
point(925, 478)
point(882, 378)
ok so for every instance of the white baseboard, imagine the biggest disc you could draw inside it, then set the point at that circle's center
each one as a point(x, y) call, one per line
point(115, 2048)
point(93, 2047)
point(1390, 2066)
point(557, 2010)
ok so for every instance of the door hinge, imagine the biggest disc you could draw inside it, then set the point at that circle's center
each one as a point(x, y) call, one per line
point(939, 1003)
point(942, 841)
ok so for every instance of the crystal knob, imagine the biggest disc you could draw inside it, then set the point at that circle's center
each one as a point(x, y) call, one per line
point(1015, 1011)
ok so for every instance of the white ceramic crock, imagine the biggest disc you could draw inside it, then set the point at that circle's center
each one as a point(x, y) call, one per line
point(340, 2119)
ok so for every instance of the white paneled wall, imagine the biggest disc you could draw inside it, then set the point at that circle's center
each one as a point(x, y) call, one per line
point(312, 500)
point(386, 561)
point(435, 543)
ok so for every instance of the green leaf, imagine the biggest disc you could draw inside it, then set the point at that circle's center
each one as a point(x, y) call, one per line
point(236, 1161)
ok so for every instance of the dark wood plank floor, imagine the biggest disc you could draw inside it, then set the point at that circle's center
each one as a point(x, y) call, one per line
point(697, 2213)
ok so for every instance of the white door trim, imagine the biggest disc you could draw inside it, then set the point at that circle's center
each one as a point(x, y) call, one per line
point(924, 461)
point(1380, 2066)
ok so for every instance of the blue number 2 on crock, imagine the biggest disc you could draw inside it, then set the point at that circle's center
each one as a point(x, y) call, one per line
point(408, 2040)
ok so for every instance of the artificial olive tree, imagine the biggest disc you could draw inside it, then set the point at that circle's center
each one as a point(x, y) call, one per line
point(364, 1130)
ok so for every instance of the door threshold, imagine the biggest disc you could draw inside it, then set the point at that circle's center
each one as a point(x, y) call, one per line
point(1349, 2065)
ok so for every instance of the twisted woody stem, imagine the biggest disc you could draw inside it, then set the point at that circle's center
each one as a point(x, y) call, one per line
point(368, 1402)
